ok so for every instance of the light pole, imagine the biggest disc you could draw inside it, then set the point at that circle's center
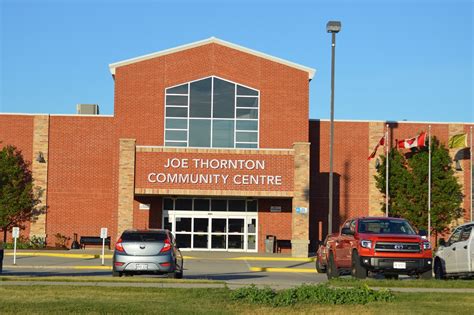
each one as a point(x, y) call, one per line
point(332, 27)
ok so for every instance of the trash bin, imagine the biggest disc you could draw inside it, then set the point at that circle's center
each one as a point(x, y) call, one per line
point(270, 242)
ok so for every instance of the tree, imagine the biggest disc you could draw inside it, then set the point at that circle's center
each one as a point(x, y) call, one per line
point(408, 187)
point(19, 199)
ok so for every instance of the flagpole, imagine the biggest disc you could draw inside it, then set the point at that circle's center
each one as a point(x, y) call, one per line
point(429, 183)
point(386, 170)
point(470, 154)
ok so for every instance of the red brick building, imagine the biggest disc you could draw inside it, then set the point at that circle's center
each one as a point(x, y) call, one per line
point(211, 140)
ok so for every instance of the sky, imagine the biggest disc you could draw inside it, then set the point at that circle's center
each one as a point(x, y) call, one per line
point(395, 59)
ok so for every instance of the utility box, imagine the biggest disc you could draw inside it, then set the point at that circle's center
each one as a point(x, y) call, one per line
point(87, 109)
point(270, 242)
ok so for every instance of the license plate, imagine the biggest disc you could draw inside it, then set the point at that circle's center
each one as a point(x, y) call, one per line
point(399, 265)
point(141, 267)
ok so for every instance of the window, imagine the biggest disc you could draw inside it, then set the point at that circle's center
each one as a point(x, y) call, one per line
point(210, 204)
point(455, 237)
point(212, 113)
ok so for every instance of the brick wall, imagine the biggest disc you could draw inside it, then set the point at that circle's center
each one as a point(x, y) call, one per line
point(274, 223)
point(82, 186)
point(17, 130)
point(139, 92)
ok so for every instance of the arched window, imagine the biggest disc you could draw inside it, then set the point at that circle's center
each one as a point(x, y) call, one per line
point(212, 113)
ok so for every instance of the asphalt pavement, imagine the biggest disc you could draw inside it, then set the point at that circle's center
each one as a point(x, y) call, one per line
point(235, 269)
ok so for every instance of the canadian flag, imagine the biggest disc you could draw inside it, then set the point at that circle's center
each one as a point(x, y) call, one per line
point(416, 142)
point(374, 152)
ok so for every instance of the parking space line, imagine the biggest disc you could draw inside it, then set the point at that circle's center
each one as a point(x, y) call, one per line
point(289, 270)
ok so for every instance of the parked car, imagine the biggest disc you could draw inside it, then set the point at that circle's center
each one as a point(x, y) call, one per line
point(455, 258)
point(381, 245)
point(147, 252)
point(321, 254)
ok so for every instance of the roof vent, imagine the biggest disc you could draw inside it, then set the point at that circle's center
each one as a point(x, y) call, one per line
point(87, 109)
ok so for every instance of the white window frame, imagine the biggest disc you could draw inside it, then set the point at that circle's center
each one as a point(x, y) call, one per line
point(212, 119)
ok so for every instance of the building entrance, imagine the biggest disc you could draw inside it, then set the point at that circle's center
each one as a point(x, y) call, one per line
point(214, 230)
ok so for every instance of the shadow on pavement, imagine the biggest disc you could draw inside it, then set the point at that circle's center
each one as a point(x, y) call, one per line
point(55, 274)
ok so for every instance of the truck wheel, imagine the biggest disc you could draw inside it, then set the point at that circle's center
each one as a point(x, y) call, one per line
point(357, 270)
point(332, 271)
point(427, 275)
point(438, 270)
point(392, 276)
point(319, 268)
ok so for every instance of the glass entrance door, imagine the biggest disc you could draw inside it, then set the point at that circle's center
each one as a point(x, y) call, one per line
point(198, 230)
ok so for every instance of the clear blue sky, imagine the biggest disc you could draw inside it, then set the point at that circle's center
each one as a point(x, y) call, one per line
point(395, 60)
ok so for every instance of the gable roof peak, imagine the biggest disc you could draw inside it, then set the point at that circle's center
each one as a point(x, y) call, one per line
point(311, 72)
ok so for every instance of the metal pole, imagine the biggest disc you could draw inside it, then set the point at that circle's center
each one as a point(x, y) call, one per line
point(103, 250)
point(387, 161)
point(429, 183)
point(331, 136)
point(14, 251)
point(470, 154)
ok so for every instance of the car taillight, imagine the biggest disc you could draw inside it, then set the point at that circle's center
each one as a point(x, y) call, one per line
point(119, 247)
point(166, 247)
point(166, 264)
point(119, 264)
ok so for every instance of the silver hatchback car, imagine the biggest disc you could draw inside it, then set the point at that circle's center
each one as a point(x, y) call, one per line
point(147, 252)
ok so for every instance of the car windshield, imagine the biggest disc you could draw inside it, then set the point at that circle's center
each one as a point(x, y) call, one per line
point(144, 237)
point(380, 226)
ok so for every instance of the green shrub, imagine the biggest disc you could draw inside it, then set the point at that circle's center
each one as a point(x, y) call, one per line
point(25, 243)
point(252, 294)
point(315, 294)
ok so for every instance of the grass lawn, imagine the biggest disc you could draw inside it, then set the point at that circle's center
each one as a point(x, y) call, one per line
point(409, 283)
point(107, 279)
point(75, 299)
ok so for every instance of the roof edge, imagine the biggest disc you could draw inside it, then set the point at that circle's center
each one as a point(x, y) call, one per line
point(311, 72)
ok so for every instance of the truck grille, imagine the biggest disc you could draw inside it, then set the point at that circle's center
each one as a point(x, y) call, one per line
point(397, 247)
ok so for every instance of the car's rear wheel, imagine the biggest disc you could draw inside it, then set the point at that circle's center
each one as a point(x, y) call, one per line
point(116, 273)
point(332, 271)
point(438, 270)
point(357, 270)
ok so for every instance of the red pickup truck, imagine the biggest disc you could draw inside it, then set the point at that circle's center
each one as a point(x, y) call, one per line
point(380, 245)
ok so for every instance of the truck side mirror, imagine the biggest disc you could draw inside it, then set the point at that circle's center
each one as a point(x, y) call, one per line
point(347, 231)
point(442, 242)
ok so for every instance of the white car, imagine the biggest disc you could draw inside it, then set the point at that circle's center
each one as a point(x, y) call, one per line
point(455, 258)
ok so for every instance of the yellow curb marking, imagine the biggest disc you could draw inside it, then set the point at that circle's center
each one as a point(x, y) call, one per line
point(93, 267)
point(271, 269)
point(87, 256)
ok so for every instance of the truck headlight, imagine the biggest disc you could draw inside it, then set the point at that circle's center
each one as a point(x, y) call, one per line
point(366, 243)
point(426, 245)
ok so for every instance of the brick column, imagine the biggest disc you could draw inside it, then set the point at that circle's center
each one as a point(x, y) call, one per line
point(300, 222)
point(126, 185)
point(376, 198)
point(455, 129)
point(40, 171)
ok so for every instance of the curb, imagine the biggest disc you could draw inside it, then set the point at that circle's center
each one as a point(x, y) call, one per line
point(109, 256)
point(282, 270)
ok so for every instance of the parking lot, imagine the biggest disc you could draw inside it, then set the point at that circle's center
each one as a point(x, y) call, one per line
point(275, 270)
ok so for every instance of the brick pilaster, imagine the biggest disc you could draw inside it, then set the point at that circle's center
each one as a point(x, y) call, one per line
point(455, 129)
point(126, 185)
point(376, 198)
point(300, 222)
point(40, 171)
